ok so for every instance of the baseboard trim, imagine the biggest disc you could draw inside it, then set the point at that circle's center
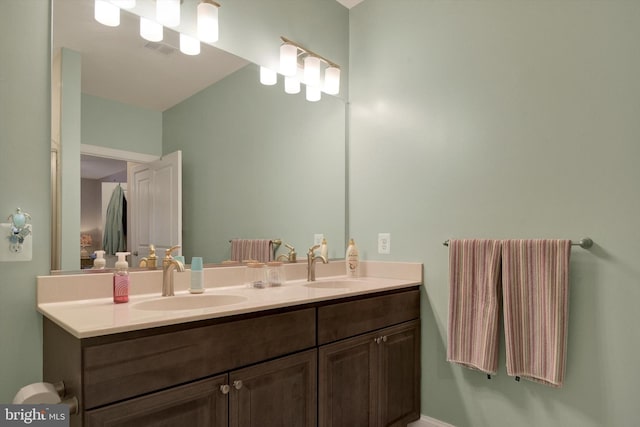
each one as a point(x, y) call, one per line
point(425, 421)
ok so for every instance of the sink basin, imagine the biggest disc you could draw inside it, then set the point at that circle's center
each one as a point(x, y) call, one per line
point(188, 302)
point(335, 284)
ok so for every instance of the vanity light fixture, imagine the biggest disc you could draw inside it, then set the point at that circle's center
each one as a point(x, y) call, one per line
point(268, 77)
point(288, 59)
point(189, 45)
point(312, 71)
point(313, 93)
point(331, 80)
point(294, 57)
point(291, 85)
point(151, 30)
point(106, 13)
point(207, 19)
point(168, 12)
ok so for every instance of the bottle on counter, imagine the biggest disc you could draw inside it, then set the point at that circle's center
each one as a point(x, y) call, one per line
point(197, 276)
point(121, 279)
point(352, 260)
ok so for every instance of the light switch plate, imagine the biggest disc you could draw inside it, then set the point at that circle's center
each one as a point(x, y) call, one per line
point(384, 243)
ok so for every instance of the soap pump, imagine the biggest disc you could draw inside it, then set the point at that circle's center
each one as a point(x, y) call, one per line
point(99, 263)
point(121, 279)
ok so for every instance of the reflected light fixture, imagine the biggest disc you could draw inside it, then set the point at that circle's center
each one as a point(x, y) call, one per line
point(168, 12)
point(189, 45)
point(268, 77)
point(124, 4)
point(288, 59)
point(313, 93)
point(106, 13)
point(291, 85)
point(207, 20)
point(150, 30)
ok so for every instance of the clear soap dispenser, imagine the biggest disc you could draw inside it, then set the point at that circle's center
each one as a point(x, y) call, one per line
point(121, 279)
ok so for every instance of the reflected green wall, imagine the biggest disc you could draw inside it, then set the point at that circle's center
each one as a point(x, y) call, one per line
point(24, 182)
point(506, 119)
point(112, 124)
point(258, 163)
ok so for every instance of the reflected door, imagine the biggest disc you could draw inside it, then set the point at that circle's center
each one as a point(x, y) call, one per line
point(156, 210)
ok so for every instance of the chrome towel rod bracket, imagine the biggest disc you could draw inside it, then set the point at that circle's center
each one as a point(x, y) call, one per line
point(584, 243)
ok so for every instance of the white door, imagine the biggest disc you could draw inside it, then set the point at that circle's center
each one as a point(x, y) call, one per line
point(155, 191)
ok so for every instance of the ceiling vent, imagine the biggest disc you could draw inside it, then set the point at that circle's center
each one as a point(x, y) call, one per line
point(162, 48)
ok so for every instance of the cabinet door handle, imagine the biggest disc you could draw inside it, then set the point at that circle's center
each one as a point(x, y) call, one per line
point(377, 340)
point(237, 384)
point(224, 389)
point(384, 338)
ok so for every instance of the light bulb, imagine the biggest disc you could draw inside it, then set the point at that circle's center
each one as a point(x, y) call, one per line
point(168, 12)
point(288, 59)
point(106, 13)
point(291, 85)
point(207, 22)
point(268, 77)
point(189, 45)
point(332, 80)
point(150, 30)
point(312, 71)
point(313, 93)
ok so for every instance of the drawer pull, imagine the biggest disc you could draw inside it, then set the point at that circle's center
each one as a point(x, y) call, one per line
point(384, 338)
point(237, 384)
point(225, 389)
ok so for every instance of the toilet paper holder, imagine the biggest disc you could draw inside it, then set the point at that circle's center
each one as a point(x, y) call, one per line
point(44, 393)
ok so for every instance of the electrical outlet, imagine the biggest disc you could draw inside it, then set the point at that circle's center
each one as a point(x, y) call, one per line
point(384, 243)
point(317, 239)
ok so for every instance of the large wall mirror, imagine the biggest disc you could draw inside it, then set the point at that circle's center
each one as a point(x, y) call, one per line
point(256, 163)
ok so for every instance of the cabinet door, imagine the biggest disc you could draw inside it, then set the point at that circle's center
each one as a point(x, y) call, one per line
point(399, 375)
point(348, 383)
point(279, 393)
point(198, 404)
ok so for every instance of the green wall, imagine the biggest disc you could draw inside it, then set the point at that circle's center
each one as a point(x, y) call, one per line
point(258, 163)
point(24, 182)
point(112, 124)
point(506, 119)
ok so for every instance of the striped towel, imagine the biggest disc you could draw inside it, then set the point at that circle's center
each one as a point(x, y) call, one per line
point(474, 304)
point(535, 282)
point(251, 250)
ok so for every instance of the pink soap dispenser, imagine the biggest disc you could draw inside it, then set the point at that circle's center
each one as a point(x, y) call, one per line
point(121, 279)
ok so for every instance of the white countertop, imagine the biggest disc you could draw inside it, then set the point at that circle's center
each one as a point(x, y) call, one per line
point(92, 317)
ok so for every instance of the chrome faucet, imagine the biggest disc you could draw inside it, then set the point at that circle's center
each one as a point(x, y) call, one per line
point(168, 265)
point(311, 263)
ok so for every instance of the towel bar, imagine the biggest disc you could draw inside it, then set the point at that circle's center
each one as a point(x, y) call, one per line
point(584, 243)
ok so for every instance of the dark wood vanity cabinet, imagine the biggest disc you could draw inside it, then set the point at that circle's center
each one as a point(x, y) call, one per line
point(350, 362)
point(372, 379)
point(281, 392)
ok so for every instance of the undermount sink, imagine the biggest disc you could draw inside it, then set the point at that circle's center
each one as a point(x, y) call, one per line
point(188, 302)
point(335, 284)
